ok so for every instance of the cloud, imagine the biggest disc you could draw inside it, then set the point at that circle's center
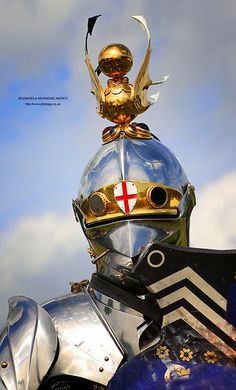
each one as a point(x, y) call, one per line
point(36, 243)
point(32, 33)
point(214, 219)
point(40, 255)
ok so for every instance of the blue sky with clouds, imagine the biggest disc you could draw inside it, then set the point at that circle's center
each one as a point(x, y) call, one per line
point(44, 149)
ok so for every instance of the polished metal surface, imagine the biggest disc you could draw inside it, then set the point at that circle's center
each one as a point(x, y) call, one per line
point(129, 237)
point(28, 345)
point(2, 386)
point(87, 347)
point(132, 159)
point(128, 324)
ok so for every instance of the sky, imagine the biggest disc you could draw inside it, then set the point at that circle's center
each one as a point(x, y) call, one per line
point(45, 148)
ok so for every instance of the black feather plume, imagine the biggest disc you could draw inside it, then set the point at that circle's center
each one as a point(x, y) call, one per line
point(91, 23)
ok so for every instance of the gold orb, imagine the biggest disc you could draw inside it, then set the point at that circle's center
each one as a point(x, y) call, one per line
point(115, 60)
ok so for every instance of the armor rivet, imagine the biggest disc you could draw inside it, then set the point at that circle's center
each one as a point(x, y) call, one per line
point(106, 358)
point(4, 364)
point(101, 369)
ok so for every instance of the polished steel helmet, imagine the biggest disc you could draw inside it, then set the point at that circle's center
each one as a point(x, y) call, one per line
point(133, 191)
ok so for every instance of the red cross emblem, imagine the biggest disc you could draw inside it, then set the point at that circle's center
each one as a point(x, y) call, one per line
point(125, 194)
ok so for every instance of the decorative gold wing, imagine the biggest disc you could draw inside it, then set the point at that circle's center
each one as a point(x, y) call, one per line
point(96, 87)
point(143, 80)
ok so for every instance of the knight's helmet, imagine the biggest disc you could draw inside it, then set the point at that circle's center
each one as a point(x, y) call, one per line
point(134, 191)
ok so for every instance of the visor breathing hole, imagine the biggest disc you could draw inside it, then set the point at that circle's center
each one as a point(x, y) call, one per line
point(157, 196)
point(98, 203)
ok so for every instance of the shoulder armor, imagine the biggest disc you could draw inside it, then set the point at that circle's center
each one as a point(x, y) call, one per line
point(28, 345)
point(87, 347)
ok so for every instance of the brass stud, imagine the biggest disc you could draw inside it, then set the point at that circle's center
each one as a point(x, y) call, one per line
point(101, 369)
point(106, 358)
point(4, 364)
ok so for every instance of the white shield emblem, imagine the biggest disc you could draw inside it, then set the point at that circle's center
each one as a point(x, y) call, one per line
point(125, 194)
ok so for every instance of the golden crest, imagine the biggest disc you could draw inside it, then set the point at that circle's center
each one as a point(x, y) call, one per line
point(120, 102)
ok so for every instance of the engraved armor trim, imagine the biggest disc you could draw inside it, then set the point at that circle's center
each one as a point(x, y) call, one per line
point(87, 347)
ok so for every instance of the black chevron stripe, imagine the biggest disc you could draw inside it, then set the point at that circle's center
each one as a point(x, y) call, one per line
point(204, 320)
